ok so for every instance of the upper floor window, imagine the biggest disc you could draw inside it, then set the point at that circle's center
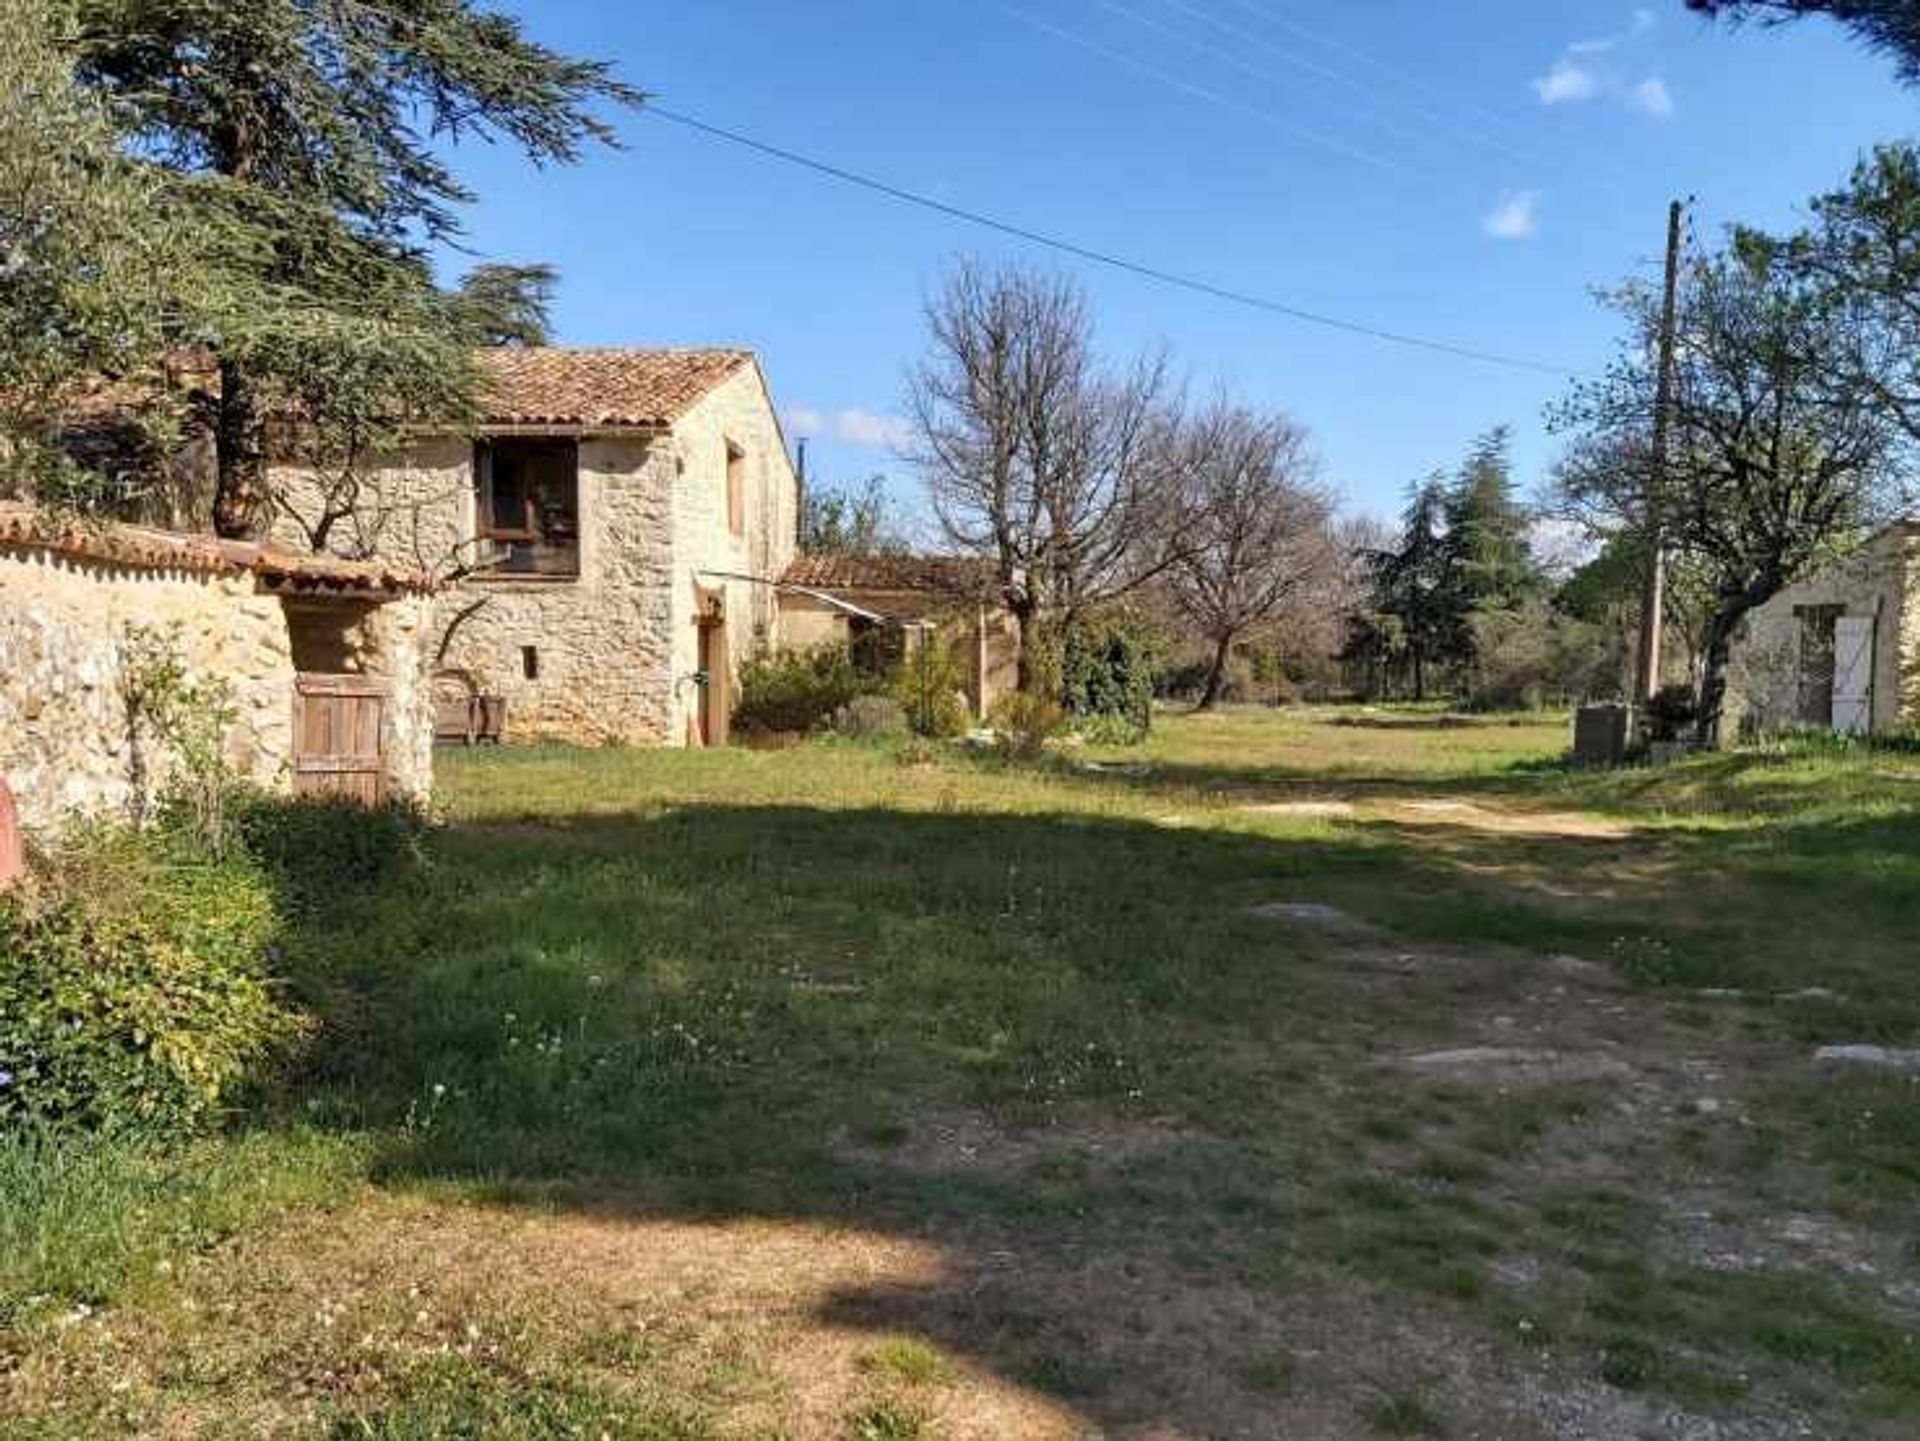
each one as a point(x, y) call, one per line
point(736, 489)
point(527, 506)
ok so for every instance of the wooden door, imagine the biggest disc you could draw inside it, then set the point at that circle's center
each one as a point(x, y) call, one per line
point(339, 737)
point(716, 700)
point(1853, 674)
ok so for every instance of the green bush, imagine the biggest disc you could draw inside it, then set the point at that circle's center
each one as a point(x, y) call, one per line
point(1671, 712)
point(131, 988)
point(796, 691)
point(1024, 723)
point(871, 718)
point(318, 851)
point(929, 689)
point(1106, 672)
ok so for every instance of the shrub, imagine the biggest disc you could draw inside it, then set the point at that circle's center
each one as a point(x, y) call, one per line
point(190, 720)
point(929, 690)
point(318, 850)
point(1529, 656)
point(1187, 680)
point(795, 691)
point(871, 718)
point(1024, 723)
point(1670, 713)
point(1106, 670)
point(131, 989)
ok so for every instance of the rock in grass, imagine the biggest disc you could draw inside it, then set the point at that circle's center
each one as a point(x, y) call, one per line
point(1883, 1058)
point(1311, 913)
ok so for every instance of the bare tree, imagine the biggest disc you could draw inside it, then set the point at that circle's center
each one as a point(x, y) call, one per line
point(1780, 451)
point(1036, 455)
point(1263, 530)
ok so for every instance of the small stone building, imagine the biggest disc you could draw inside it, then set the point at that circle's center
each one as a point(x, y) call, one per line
point(882, 606)
point(612, 528)
point(1839, 650)
point(322, 658)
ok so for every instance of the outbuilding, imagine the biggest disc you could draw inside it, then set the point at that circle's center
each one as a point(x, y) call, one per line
point(1838, 650)
point(321, 658)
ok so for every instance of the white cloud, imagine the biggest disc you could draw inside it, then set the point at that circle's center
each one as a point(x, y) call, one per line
point(851, 426)
point(1588, 70)
point(1566, 84)
point(1651, 97)
point(1516, 217)
point(879, 432)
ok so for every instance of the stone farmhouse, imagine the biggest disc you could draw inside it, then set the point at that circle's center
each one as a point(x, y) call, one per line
point(1839, 650)
point(613, 530)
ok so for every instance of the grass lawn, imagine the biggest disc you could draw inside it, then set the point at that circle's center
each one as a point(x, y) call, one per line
point(1310, 1074)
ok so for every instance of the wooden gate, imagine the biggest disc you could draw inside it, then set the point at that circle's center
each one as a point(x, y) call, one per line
point(339, 737)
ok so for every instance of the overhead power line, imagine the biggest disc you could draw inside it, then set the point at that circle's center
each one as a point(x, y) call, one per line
point(1106, 258)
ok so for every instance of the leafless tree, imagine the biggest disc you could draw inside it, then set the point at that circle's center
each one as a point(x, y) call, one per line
point(1037, 455)
point(1263, 528)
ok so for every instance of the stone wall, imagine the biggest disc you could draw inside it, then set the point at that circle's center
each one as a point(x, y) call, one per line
point(64, 741)
point(707, 555)
point(1877, 580)
point(583, 658)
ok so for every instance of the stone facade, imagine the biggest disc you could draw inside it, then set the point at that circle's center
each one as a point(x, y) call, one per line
point(1881, 580)
point(65, 743)
point(614, 652)
point(67, 746)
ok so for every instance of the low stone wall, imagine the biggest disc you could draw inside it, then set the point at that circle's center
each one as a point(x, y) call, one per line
point(65, 745)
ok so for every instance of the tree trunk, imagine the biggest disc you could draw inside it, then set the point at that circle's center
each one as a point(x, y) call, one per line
point(1713, 679)
point(240, 452)
point(1216, 677)
point(1026, 672)
point(1419, 674)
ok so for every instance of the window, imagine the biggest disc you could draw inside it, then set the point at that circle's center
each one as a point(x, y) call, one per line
point(736, 489)
point(530, 662)
point(527, 506)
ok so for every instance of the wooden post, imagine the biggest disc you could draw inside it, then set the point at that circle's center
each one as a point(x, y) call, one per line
point(13, 857)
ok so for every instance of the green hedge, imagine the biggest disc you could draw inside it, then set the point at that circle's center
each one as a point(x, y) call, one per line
point(132, 988)
point(797, 691)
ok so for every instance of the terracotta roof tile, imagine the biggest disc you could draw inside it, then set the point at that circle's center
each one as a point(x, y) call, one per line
point(947, 575)
point(559, 385)
point(23, 527)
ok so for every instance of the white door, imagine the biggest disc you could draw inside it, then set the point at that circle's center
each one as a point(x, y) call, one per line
point(1853, 674)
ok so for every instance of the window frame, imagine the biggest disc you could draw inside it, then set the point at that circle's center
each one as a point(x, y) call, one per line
point(498, 547)
point(736, 482)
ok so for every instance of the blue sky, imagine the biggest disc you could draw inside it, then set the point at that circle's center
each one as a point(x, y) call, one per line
point(1466, 171)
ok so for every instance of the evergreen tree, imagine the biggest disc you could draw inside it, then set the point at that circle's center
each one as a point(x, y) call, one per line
point(1417, 584)
point(88, 259)
point(1892, 26)
point(301, 137)
point(1487, 531)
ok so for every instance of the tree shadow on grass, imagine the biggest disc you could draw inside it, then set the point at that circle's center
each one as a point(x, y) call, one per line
point(1057, 1048)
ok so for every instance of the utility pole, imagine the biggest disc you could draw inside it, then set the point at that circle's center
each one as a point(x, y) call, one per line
point(1653, 596)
